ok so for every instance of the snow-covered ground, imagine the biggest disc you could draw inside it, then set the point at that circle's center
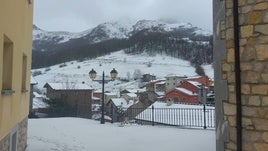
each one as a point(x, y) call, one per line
point(77, 72)
point(76, 134)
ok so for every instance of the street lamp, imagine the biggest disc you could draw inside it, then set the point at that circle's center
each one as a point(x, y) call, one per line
point(92, 75)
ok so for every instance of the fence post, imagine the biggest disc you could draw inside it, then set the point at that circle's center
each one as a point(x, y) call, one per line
point(112, 113)
point(205, 116)
point(152, 115)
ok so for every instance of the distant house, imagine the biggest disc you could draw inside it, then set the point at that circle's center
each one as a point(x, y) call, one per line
point(96, 98)
point(191, 86)
point(147, 98)
point(130, 96)
point(150, 86)
point(148, 77)
point(173, 81)
point(117, 107)
point(108, 96)
point(160, 86)
point(182, 95)
point(74, 94)
point(136, 91)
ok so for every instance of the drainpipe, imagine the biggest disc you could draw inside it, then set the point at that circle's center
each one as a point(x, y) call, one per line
point(237, 76)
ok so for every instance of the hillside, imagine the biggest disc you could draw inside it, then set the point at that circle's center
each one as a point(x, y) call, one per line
point(180, 40)
point(125, 64)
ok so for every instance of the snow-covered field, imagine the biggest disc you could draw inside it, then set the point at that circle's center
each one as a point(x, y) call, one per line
point(161, 66)
point(76, 134)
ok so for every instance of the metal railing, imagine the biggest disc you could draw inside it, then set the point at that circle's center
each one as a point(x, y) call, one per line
point(196, 117)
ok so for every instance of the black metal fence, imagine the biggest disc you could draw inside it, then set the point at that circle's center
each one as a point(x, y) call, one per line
point(196, 117)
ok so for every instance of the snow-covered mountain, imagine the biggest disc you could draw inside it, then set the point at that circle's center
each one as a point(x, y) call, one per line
point(106, 37)
point(112, 30)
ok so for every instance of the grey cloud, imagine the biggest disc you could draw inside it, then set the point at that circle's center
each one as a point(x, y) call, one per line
point(78, 15)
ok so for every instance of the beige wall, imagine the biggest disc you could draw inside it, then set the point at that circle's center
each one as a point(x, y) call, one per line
point(16, 18)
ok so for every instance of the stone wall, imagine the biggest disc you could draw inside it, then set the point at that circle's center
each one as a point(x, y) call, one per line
point(253, 22)
point(4, 143)
point(21, 139)
point(22, 135)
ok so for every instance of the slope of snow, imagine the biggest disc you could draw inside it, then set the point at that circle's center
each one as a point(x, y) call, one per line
point(110, 30)
point(60, 36)
point(125, 64)
point(160, 25)
point(75, 134)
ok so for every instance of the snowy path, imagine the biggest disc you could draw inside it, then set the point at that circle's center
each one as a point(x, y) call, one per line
point(76, 134)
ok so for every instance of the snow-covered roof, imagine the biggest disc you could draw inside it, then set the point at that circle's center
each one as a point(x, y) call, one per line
point(133, 95)
point(33, 81)
point(121, 102)
point(160, 93)
point(110, 93)
point(69, 86)
point(95, 98)
point(194, 77)
point(135, 90)
point(176, 76)
point(186, 91)
point(162, 82)
point(195, 83)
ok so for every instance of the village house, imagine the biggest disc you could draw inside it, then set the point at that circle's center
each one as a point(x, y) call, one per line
point(75, 95)
point(160, 86)
point(148, 78)
point(16, 22)
point(151, 86)
point(108, 96)
point(136, 91)
point(96, 98)
point(191, 86)
point(173, 81)
point(130, 96)
point(182, 95)
point(121, 109)
point(117, 107)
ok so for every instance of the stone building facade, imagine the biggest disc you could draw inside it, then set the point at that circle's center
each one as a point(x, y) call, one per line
point(241, 74)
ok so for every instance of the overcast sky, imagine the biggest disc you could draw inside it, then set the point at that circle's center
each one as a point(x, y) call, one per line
point(80, 15)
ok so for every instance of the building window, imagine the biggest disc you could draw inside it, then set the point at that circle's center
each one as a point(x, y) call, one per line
point(7, 66)
point(24, 73)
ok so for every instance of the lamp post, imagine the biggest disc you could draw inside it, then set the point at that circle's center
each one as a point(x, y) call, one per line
point(92, 75)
